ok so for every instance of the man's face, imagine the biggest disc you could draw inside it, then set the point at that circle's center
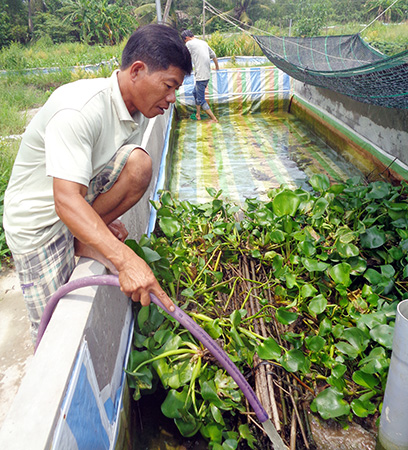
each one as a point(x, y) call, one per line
point(152, 92)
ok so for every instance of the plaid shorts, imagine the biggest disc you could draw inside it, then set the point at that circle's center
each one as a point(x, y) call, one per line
point(42, 271)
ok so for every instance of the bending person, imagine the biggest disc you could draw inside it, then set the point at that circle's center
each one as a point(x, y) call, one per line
point(81, 166)
point(201, 54)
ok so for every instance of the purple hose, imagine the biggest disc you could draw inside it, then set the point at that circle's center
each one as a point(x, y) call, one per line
point(178, 314)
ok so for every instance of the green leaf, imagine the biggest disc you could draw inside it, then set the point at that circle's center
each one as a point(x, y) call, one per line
point(365, 379)
point(213, 432)
point(131, 243)
point(213, 192)
point(346, 236)
point(387, 271)
point(325, 326)
point(308, 290)
point(320, 182)
point(269, 349)
point(317, 305)
point(358, 265)
point(330, 404)
point(230, 444)
point(347, 349)
point(378, 190)
point(236, 337)
point(372, 320)
point(162, 369)
point(338, 370)
point(372, 276)
point(357, 338)
point(315, 343)
point(308, 248)
point(284, 316)
point(347, 250)
point(237, 316)
point(188, 425)
point(340, 273)
point(376, 362)
point(170, 226)
point(277, 236)
point(285, 203)
point(290, 280)
point(179, 375)
point(209, 393)
point(372, 238)
point(362, 408)
point(217, 415)
point(174, 404)
point(137, 357)
point(213, 328)
point(383, 334)
point(294, 361)
point(245, 433)
point(313, 265)
point(319, 208)
point(165, 199)
point(188, 292)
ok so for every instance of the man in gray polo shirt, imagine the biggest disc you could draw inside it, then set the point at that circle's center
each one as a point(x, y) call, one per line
point(81, 166)
point(201, 54)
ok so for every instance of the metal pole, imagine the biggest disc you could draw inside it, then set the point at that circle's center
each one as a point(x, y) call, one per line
point(158, 10)
point(203, 19)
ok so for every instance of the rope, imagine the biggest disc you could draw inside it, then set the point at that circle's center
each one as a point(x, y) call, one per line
point(224, 16)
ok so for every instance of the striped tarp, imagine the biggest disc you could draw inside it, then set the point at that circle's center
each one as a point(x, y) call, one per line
point(247, 155)
point(243, 90)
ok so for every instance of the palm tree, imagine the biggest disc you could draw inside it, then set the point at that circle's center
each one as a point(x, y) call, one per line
point(388, 9)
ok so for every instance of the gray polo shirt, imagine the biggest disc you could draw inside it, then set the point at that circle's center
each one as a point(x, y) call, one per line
point(72, 137)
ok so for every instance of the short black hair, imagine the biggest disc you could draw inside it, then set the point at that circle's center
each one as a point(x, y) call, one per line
point(186, 33)
point(159, 46)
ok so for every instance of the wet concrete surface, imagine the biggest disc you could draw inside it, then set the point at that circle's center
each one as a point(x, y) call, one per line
point(16, 347)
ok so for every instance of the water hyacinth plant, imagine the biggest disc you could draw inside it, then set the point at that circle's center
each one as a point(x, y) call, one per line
point(307, 282)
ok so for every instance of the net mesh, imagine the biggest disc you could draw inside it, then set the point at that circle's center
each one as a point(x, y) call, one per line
point(345, 64)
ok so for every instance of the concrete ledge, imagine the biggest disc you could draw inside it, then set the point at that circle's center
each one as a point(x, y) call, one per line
point(36, 408)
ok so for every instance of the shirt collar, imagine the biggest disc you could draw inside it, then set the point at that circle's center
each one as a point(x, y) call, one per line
point(119, 103)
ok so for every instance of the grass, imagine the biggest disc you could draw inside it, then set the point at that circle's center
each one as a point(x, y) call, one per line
point(8, 151)
point(45, 54)
point(22, 90)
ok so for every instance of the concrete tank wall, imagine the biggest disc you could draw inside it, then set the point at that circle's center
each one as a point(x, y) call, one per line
point(378, 133)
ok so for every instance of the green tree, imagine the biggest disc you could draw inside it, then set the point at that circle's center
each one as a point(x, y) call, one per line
point(13, 22)
point(146, 13)
point(54, 26)
point(345, 11)
point(311, 17)
point(98, 21)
